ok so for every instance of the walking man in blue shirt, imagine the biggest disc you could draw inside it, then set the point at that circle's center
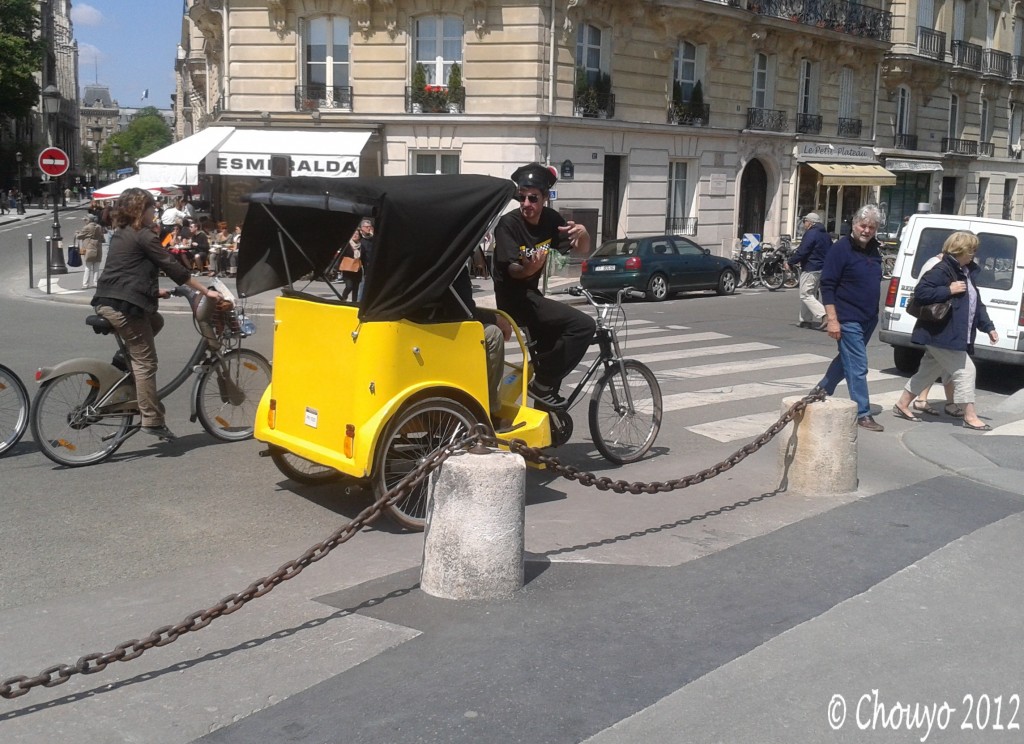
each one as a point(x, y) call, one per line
point(810, 257)
point(851, 282)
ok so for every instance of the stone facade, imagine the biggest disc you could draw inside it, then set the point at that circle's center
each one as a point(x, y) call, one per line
point(590, 86)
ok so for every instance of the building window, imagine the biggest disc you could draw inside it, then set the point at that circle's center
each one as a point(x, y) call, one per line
point(1009, 189)
point(982, 196)
point(954, 116)
point(679, 199)
point(437, 46)
point(847, 99)
point(760, 93)
point(435, 163)
point(903, 111)
point(589, 56)
point(684, 70)
point(1016, 119)
point(327, 53)
point(808, 87)
point(986, 122)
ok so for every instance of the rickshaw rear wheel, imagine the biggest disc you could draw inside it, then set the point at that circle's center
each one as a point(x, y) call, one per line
point(301, 470)
point(412, 435)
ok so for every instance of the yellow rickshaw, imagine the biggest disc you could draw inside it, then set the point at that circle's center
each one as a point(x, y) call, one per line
point(367, 391)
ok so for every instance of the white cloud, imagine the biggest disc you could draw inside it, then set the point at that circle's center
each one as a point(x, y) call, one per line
point(89, 55)
point(86, 15)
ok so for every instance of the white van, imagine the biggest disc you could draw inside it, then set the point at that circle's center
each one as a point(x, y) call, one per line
point(1001, 286)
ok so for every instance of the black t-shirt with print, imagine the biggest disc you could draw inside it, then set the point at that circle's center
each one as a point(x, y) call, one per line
point(515, 239)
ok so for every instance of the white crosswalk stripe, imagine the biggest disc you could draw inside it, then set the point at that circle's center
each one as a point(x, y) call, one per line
point(669, 349)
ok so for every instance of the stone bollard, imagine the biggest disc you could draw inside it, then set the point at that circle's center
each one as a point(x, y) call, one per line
point(474, 540)
point(818, 452)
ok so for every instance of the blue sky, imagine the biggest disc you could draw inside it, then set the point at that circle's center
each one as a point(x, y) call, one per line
point(129, 46)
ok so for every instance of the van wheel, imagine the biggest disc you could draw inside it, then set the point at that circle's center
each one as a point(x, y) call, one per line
point(907, 360)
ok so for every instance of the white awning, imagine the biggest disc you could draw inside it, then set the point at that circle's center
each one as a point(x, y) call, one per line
point(913, 166)
point(179, 163)
point(330, 154)
point(850, 174)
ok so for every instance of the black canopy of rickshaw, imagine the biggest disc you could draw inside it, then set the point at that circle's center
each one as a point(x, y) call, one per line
point(425, 229)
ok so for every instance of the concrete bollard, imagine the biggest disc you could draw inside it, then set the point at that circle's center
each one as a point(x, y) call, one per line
point(474, 540)
point(818, 452)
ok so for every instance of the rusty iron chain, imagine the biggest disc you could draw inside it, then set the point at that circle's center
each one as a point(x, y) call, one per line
point(14, 687)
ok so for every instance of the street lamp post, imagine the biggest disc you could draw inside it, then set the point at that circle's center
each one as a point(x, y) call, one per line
point(96, 134)
point(20, 205)
point(51, 105)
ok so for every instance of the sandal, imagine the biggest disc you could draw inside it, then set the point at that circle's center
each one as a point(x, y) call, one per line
point(983, 427)
point(954, 410)
point(922, 406)
point(905, 415)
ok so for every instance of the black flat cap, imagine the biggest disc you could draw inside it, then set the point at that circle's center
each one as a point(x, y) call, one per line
point(534, 176)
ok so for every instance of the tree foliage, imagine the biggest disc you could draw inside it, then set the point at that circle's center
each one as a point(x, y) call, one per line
point(146, 133)
point(22, 54)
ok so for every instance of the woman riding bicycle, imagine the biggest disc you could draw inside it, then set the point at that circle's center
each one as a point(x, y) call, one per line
point(127, 294)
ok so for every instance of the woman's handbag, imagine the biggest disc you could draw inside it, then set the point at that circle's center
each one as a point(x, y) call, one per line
point(934, 313)
point(351, 265)
point(74, 256)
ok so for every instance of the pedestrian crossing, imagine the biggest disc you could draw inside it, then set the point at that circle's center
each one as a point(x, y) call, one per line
point(753, 375)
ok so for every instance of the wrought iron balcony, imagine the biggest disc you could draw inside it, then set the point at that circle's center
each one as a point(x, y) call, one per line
point(435, 99)
point(905, 141)
point(836, 15)
point(689, 114)
point(808, 124)
point(318, 97)
point(772, 121)
point(681, 225)
point(1018, 68)
point(931, 43)
point(996, 63)
point(849, 128)
point(987, 149)
point(966, 55)
point(593, 105)
point(958, 146)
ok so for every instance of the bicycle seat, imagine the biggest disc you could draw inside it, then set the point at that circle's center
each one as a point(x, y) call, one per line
point(99, 324)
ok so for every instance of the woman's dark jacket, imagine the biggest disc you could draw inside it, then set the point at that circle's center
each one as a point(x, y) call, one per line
point(132, 271)
point(952, 333)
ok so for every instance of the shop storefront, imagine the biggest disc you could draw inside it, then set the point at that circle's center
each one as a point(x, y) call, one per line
point(913, 186)
point(224, 164)
point(835, 181)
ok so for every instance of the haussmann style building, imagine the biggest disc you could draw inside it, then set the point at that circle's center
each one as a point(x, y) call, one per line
point(706, 118)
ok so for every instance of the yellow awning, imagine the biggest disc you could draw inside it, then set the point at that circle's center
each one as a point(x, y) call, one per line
point(853, 174)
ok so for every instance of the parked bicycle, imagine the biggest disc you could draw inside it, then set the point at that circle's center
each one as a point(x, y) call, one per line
point(86, 408)
point(14, 409)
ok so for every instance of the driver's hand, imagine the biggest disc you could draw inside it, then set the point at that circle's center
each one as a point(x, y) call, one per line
point(503, 325)
point(163, 294)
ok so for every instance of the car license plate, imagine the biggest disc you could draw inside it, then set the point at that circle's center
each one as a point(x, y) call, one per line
point(607, 267)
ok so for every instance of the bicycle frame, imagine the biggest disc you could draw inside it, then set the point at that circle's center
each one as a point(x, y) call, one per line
point(609, 351)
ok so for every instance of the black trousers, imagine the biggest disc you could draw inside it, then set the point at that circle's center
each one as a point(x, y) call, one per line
point(561, 335)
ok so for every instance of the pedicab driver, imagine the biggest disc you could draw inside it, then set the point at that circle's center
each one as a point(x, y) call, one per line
point(522, 240)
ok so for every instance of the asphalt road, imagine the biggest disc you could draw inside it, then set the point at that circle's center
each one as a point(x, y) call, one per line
point(638, 607)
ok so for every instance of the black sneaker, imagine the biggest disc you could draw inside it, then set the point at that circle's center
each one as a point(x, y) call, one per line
point(546, 396)
point(160, 432)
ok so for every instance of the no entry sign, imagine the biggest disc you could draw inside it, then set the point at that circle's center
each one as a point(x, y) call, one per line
point(54, 162)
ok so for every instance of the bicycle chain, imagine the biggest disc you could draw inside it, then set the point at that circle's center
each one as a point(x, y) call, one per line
point(14, 687)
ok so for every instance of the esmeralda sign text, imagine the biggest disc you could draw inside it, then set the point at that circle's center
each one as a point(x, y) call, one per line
point(244, 164)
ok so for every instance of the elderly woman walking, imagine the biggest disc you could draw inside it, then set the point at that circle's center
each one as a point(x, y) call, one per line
point(949, 342)
point(851, 282)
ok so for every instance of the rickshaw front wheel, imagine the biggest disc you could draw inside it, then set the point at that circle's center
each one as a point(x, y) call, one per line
point(416, 432)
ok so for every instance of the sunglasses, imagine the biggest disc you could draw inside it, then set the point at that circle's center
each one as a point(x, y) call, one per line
point(532, 198)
